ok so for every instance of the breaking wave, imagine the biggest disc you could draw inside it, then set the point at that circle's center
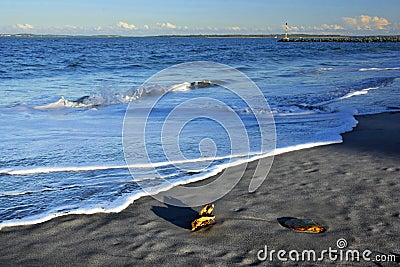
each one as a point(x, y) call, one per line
point(106, 98)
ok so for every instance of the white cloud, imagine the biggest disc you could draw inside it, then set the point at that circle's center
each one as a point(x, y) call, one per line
point(309, 29)
point(25, 26)
point(146, 27)
point(291, 28)
point(208, 28)
point(352, 22)
point(264, 29)
point(380, 23)
point(325, 27)
point(365, 22)
point(234, 28)
point(168, 25)
point(126, 26)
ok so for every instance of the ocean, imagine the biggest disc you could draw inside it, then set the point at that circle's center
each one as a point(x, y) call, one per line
point(64, 103)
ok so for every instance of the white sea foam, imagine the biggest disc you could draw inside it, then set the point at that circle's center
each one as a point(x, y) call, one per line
point(357, 93)
point(379, 69)
point(107, 98)
point(253, 156)
point(349, 95)
point(42, 170)
point(89, 210)
point(181, 87)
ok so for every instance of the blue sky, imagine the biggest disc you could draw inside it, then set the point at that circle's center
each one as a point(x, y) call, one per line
point(141, 17)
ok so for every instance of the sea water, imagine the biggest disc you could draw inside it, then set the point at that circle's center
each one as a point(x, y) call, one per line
point(63, 102)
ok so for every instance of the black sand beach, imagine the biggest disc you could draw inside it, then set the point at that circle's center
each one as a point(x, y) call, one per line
point(352, 188)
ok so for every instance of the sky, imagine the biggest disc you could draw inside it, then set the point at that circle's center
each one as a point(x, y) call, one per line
point(163, 17)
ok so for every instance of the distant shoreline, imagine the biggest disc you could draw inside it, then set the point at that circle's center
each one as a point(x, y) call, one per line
point(275, 36)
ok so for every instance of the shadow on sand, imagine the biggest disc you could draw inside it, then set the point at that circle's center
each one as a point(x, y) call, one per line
point(180, 216)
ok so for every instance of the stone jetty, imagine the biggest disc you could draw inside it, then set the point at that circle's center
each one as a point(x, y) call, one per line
point(344, 39)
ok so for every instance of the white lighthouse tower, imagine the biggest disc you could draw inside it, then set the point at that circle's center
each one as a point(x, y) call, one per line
point(286, 38)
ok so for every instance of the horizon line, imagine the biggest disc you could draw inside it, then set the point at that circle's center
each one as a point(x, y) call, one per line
point(269, 35)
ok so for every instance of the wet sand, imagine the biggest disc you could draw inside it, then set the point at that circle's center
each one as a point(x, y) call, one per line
point(351, 188)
